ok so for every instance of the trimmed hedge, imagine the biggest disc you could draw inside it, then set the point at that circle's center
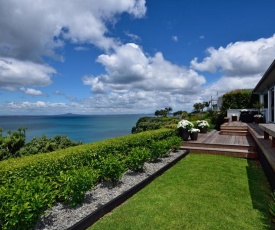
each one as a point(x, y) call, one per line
point(31, 184)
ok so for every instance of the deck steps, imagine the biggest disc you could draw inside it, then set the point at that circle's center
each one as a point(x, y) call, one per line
point(212, 142)
point(226, 152)
point(234, 129)
point(234, 132)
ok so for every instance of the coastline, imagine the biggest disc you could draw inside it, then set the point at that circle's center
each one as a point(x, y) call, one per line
point(85, 128)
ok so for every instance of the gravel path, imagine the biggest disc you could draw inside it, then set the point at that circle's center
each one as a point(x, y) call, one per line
point(63, 217)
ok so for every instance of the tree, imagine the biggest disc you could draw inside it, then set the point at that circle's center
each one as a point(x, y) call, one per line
point(157, 113)
point(168, 109)
point(178, 113)
point(10, 144)
point(239, 99)
point(206, 104)
point(197, 107)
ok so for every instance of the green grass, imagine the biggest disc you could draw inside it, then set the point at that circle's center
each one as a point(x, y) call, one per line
point(200, 192)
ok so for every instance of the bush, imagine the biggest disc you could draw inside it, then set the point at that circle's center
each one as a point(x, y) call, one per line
point(136, 158)
point(153, 123)
point(24, 201)
point(112, 168)
point(31, 184)
point(45, 145)
point(11, 144)
point(272, 207)
point(74, 183)
point(239, 99)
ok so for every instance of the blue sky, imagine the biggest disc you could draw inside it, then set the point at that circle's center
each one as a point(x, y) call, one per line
point(129, 56)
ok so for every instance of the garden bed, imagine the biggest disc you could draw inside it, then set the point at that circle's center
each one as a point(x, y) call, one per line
point(103, 198)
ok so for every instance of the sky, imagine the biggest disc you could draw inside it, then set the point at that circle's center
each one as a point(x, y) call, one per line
point(129, 56)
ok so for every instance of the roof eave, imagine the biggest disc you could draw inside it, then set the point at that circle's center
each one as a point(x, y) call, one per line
point(265, 76)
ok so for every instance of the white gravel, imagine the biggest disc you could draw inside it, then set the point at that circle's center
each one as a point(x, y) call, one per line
point(62, 217)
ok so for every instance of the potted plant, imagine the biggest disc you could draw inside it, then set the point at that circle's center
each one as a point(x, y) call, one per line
point(258, 105)
point(234, 117)
point(183, 127)
point(202, 125)
point(258, 118)
point(194, 134)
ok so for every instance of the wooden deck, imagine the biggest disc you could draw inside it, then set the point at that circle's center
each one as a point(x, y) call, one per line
point(264, 144)
point(234, 139)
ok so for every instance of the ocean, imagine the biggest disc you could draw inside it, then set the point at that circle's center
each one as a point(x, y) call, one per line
point(85, 128)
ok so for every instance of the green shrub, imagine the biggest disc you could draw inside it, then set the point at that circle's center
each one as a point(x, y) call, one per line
point(10, 144)
point(153, 123)
point(157, 150)
point(239, 99)
point(112, 168)
point(136, 158)
point(45, 145)
point(74, 183)
point(24, 201)
point(31, 184)
point(272, 207)
point(174, 141)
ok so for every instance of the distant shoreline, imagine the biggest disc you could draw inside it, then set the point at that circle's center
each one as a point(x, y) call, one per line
point(73, 114)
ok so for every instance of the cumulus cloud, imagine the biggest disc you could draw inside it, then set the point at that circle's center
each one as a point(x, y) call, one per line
point(243, 58)
point(130, 69)
point(15, 73)
point(30, 91)
point(30, 31)
point(240, 64)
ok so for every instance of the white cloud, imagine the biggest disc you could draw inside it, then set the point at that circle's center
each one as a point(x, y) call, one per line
point(81, 48)
point(30, 91)
point(175, 38)
point(31, 30)
point(28, 29)
point(15, 73)
point(130, 69)
point(241, 64)
point(243, 58)
point(133, 37)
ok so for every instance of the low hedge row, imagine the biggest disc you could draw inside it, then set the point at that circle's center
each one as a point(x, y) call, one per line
point(30, 185)
point(50, 164)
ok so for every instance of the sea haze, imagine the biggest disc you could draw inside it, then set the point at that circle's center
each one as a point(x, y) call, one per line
point(85, 128)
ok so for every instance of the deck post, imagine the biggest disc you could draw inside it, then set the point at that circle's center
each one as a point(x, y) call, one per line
point(273, 142)
point(266, 135)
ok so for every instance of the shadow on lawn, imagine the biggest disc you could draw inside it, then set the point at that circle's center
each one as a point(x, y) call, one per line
point(260, 191)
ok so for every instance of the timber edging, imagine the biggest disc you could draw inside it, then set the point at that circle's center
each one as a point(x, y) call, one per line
point(109, 206)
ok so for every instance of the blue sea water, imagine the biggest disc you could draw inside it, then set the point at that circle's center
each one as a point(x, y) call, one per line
point(85, 128)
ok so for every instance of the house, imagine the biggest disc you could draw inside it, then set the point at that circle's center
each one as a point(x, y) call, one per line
point(266, 91)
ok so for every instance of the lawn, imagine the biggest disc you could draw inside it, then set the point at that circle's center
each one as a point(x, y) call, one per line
point(200, 192)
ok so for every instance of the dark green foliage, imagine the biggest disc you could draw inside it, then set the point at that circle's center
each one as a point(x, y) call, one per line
point(153, 123)
point(112, 168)
point(13, 144)
point(74, 183)
point(136, 159)
point(239, 99)
point(10, 144)
point(45, 145)
point(31, 184)
point(217, 118)
point(24, 201)
point(272, 207)
point(157, 150)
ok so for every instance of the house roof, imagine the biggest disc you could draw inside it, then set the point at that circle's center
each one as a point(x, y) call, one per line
point(267, 80)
